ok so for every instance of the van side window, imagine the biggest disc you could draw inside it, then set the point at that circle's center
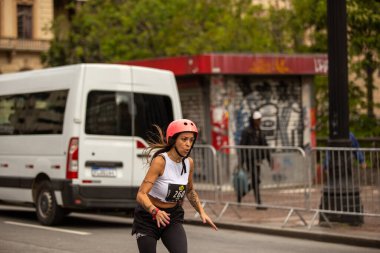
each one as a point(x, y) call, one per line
point(112, 113)
point(151, 109)
point(109, 113)
point(33, 113)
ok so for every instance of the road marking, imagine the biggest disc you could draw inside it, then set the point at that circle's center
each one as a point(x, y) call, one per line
point(47, 228)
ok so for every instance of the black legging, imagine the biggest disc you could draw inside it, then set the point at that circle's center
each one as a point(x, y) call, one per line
point(173, 237)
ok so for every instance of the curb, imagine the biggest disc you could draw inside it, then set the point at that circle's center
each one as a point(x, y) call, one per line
point(307, 235)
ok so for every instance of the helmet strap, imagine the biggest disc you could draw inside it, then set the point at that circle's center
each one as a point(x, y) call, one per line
point(183, 161)
point(176, 150)
point(183, 157)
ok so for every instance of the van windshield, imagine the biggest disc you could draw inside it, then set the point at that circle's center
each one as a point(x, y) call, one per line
point(126, 113)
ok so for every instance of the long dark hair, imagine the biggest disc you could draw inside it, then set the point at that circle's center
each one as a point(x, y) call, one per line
point(157, 144)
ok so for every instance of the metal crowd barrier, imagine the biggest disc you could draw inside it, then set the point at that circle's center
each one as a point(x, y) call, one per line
point(345, 181)
point(205, 172)
point(205, 176)
point(329, 182)
point(283, 181)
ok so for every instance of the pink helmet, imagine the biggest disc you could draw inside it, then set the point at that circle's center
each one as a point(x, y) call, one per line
point(180, 126)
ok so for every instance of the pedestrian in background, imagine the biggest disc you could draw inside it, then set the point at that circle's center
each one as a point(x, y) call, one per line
point(358, 154)
point(159, 214)
point(252, 158)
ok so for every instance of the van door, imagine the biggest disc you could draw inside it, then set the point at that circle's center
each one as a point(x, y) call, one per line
point(107, 146)
point(156, 102)
point(151, 109)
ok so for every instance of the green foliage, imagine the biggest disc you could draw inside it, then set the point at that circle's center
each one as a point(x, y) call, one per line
point(322, 98)
point(309, 25)
point(364, 37)
point(120, 30)
point(364, 26)
point(359, 123)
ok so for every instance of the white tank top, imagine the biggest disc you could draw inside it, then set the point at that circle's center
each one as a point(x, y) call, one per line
point(171, 185)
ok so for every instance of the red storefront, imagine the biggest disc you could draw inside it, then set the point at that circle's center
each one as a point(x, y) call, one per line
point(219, 91)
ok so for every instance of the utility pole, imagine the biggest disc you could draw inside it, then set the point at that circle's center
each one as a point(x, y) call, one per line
point(339, 194)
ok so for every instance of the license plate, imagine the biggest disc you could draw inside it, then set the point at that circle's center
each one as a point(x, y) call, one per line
point(103, 172)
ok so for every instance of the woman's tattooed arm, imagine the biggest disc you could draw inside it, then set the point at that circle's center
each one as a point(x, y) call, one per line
point(193, 198)
point(191, 194)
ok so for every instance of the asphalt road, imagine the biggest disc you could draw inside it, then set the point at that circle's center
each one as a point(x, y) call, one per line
point(20, 232)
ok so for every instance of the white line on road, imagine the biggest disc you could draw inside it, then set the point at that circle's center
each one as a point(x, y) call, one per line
point(47, 228)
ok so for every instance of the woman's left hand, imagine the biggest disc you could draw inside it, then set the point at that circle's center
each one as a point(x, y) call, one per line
point(207, 219)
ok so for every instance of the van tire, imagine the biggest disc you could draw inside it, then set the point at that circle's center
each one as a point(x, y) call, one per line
point(48, 212)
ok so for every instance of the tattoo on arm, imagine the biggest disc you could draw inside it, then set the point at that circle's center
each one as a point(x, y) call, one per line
point(147, 181)
point(147, 207)
point(193, 198)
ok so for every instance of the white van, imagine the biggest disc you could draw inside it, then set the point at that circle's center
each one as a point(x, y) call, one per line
point(73, 137)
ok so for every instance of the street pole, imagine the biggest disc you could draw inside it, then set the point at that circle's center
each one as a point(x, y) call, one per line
point(337, 194)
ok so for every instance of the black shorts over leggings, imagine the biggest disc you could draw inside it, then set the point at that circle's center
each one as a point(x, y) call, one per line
point(147, 233)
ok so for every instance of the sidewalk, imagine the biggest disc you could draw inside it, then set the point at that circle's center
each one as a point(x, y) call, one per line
point(271, 221)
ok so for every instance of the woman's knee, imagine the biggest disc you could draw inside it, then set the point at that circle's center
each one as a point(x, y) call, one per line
point(174, 238)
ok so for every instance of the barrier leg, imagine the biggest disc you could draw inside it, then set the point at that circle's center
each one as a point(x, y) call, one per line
point(323, 216)
point(196, 215)
point(301, 218)
point(326, 219)
point(237, 213)
point(290, 214)
point(223, 211)
point(287, 217)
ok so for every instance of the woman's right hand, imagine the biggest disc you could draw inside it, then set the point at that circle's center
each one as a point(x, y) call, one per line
point(162, 218)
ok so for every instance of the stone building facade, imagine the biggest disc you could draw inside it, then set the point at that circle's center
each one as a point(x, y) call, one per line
point(24, 33)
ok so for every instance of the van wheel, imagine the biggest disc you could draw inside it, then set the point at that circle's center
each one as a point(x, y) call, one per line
point(48, 212)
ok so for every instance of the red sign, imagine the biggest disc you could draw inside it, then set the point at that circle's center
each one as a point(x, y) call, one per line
point(274, 64)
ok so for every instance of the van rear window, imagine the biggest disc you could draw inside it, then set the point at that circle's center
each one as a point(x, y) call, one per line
point(33, 113)
point(126, 114)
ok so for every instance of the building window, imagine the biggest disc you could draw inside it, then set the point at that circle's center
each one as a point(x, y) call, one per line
point(24, 21)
